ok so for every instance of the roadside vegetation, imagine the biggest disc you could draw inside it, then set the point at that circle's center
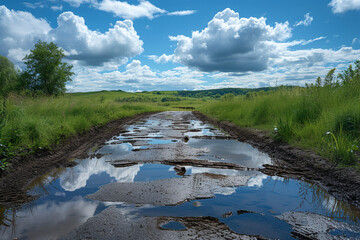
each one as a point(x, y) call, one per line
point(324, 116)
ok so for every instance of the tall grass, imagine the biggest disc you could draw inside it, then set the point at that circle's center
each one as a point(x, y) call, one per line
point(302, 117)
point(42, 122)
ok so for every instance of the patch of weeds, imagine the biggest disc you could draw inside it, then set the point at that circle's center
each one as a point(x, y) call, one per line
point(133, 107)
point(284, 129)
point(307, 111)
point(260, 113)
point(7, 152)
point(340, 149)
point(348, 123)
point(32, 131)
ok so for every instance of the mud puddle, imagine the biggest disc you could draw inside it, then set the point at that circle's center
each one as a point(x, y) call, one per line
point(173, 177)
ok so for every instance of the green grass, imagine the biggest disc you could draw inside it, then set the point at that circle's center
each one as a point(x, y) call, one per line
point(302, 117)
point(41, 122)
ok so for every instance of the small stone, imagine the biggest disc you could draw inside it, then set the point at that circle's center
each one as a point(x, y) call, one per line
point(180, 170)
point(227, 214)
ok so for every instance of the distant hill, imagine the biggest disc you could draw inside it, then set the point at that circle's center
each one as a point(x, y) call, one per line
point(220, 92)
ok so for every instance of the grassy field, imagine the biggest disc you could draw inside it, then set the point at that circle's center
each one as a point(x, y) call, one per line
point(41, 122)
point(324, 119)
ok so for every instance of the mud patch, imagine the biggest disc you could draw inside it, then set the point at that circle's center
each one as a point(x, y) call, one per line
point(112, 223)
point(315, 226)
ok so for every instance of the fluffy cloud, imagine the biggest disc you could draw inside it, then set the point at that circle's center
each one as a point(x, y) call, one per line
point(340, 6)
point(135, 77)
point(230, 44)
point(306, 22)
point(129, 11)
point(20, 30)
point(92, 47)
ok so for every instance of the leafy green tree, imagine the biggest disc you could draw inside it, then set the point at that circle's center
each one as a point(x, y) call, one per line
point(8, 76)
point(45, 71)
point(8, 81)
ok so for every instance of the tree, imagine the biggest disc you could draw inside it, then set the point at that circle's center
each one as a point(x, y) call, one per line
point(45, 70)
point(8, 81)
point(8, 76)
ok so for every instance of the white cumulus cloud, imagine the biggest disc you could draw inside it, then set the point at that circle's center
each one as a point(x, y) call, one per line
point(20, 31)
point(340, 6)
point(230, 44)
point(92, 47)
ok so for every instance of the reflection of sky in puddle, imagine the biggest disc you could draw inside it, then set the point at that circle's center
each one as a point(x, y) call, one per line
point(172, 225)
point(231, 151)
point(160, 141)
point(267, 196)
point(202, 132)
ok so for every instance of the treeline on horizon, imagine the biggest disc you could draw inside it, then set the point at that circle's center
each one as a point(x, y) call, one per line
point(218, 93)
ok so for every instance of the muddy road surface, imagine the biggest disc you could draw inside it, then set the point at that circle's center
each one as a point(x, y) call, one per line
point(172, 176)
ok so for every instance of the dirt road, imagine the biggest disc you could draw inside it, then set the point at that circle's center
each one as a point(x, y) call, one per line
point(171, 175)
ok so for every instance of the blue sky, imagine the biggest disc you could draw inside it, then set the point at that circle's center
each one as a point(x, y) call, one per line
point(186, 44)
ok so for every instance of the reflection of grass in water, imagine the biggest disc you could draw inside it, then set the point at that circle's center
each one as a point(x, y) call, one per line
point(4, 220)
point(319, 198)
point(38, 185)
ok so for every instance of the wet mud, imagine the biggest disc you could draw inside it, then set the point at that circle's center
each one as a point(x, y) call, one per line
point(114, 225)
point(172, 191)
point(174, 175)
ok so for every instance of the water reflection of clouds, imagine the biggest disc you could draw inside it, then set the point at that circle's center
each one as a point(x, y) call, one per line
point(115, 149)
point(257, 180)
point(232, 151)
point(51, 219)
point(226, 172)
point(77, 177)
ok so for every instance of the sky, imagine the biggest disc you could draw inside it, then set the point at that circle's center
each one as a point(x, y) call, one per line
point(146, 45)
